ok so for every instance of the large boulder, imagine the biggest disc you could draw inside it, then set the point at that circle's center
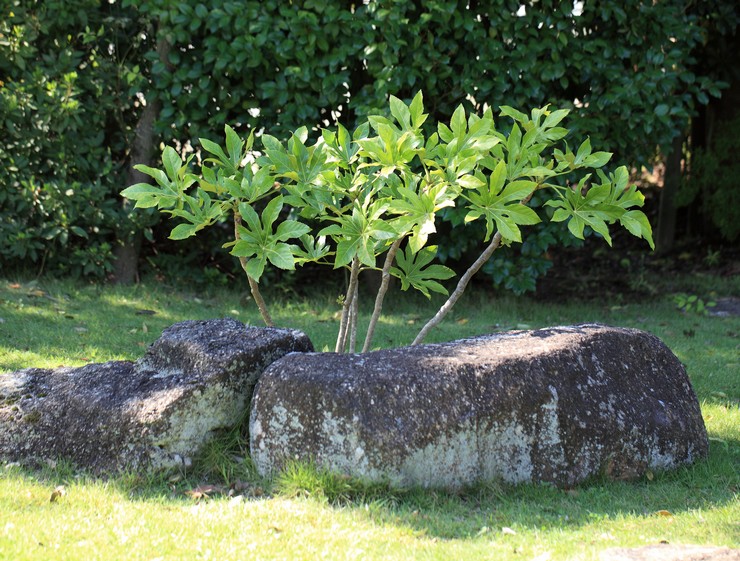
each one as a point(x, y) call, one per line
point(555, 405)
point(195, 380)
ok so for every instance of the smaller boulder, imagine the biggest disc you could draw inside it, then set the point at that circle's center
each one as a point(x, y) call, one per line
point(158, 412)
point(556, 405)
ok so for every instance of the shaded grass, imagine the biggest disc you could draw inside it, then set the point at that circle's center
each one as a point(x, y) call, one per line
point(306, 513)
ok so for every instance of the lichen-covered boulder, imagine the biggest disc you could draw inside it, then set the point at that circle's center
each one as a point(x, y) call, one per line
point(195, 380)
point(557, 405)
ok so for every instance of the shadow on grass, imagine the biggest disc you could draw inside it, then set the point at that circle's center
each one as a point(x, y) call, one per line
point(707, 485)
point(73, 324)
point(64, 323)
point(82, 324)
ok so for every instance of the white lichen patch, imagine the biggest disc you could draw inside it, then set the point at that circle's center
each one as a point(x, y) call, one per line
point(548, 433)
point(506, 452)
point(283, 422)
point(12, 386)
point(450, 461)
point(193, 422)
point(274, 431)
point(344, 449)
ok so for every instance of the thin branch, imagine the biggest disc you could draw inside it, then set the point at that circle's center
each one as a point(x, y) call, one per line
point(346, 309)
point(461, 285)
point(354, 318)
point(257, 295)
point(253, 285)
point(342, 335)
point(385, 280)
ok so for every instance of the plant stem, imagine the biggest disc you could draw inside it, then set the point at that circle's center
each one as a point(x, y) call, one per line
point(253, 285)
point(461, 285)
point(385, 280)
point(353, 319)
point(257, 295)
point(347, 308)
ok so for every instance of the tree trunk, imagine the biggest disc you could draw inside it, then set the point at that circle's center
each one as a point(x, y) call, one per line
point(666, 233)
point(130, 236)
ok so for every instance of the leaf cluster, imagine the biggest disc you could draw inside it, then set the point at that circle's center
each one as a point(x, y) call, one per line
point(351, 198)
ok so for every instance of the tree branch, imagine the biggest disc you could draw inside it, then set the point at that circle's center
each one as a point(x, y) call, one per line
point(354, 318)
point(347, 308)
point(253, 285)
point(461, 285)
point(385, 280)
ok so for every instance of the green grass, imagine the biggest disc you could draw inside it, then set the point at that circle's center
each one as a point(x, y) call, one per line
point(308, 514)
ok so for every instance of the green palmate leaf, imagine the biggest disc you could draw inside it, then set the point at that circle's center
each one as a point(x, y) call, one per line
point(374, 150)
point(348, 234)
point(216, 150)
point(340, 146)
point(597, 159)
point(281, 255)
point(357, 234)
point(172, 163)
point(414, 270)
point(419, 211)
point(400, 112)
point(290, 229)
point(417, 111)
point(501, 206)
point(255, 267)
point(157, 174)
point(307, 165)
point(314, 248)
point(146, 196)
point(233, 145)
point(596, 210)
point(638, 225)
point(183, 231)
point(608, 202)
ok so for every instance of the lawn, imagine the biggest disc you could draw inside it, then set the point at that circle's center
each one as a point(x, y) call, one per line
point(304, 514)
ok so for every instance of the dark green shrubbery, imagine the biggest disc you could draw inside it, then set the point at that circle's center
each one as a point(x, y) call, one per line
point(66, 103)
point(713, 182)
point(72, 70)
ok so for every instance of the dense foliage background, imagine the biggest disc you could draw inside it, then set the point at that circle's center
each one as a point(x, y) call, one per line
point(90, 87)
